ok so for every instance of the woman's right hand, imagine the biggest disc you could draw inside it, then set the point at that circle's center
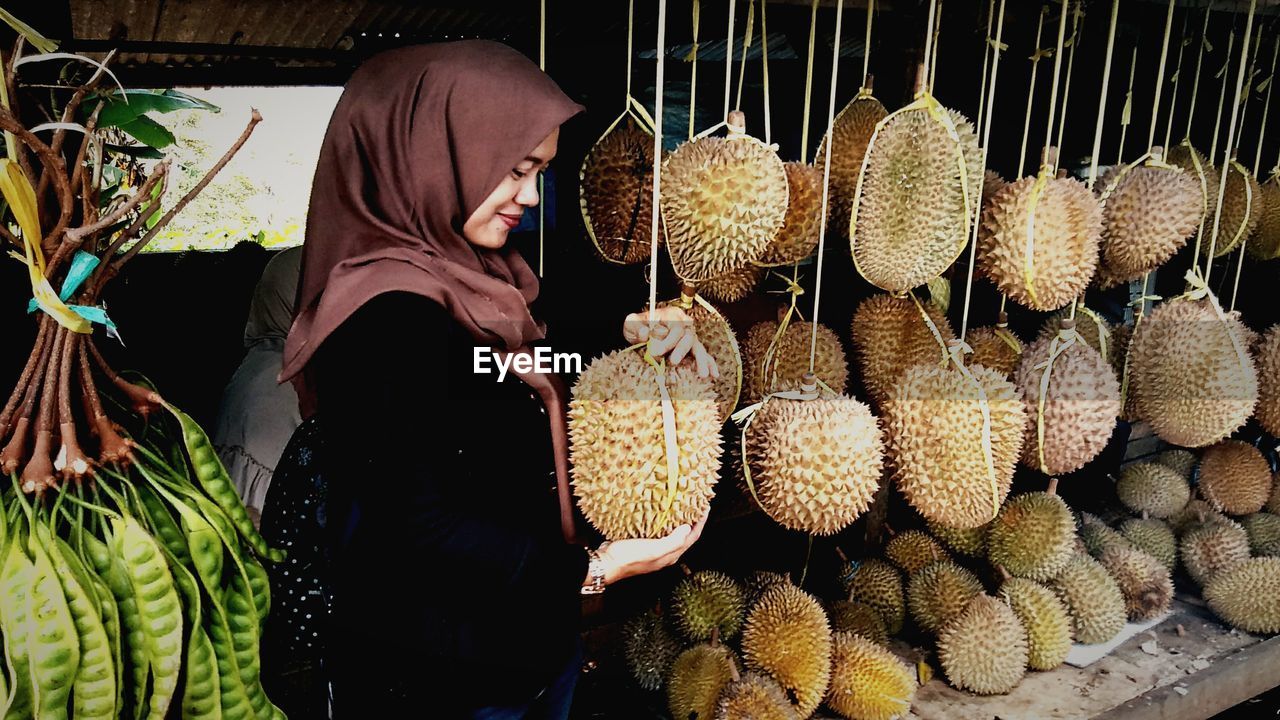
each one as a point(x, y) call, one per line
point(627, 558)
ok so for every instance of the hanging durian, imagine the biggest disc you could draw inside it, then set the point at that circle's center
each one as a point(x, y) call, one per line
point(785, 368)
point(618, 446)
point(1190, 372)
point(890, 334)
point(787, 637)
point(723, 201)
point(717, 336)
point(1149, 213)
point(868, 682)
point(1241, 212)
point(1266, 354)
point(1235, 477)
point(984, 650)
point(1205, 175)
point(1038, 241)
point(1265, 243)
point(852, 130)
point(798, 237)
point(615, 193)
point(995, 347)
point(733, 285)
point(1096, 331)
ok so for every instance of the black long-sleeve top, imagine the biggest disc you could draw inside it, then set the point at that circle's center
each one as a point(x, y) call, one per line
point(444, 536)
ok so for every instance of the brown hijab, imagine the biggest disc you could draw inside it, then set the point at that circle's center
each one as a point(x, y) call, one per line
point(420, 138)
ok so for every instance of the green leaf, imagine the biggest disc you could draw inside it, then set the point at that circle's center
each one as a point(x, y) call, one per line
point(138, 151)
point(148, 132)
point(121, 109)
point(153, 207)
point(38, 41)
point(195, 101)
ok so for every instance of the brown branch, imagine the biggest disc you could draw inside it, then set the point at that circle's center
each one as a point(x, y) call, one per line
point(143, 400)
point(70, 243)
point(13, 453)
point(50, 384)
point(11, 80)
point(75, 236)
point(50, 160)
point(68, 114)
point(38, 474)
point(20, 389)
point(112, 448)
point(75, 463)
point(6, 235)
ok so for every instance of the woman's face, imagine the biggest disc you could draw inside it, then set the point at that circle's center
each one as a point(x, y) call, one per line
point(501, 211)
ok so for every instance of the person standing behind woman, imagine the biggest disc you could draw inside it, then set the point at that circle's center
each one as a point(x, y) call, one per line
point(452, 590)
point(258, 414)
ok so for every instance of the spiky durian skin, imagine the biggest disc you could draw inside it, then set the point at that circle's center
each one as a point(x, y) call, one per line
point(733, 285)
point(815, 463)
point(788, 638)
point(1267, 356)
point(697, 679)
point(1067, 229)
point(1273, 504)
point(912, 550)
point(798, 236)
point(1152, 488)
point(1264, 533)
point(938, 593)
point(994, 351)
point(1143, 581)
point(1032, 537)
point(890, 335)
point(1154, 537)
point(618, 450)
point(1212, 548)
point(1092, 597)
point(1205, 176)
point(1190, 373)
point(868, 682)
point(1196, 514)
point(1181, 460)
point(970, 542)
point(717, 336)
point(1148, 216)
point(755, 697)
point(984, 649)
point(1044, 617)
point(1076, 414)
point(1265, 243)
point(1096, 331)
point(852, 130)
point(705, 601)
point(723, 200)
point(754, 585)
point(912, 218)
point(616, 193)
point(1247, 596)
point(790, 360)
point(1241, 212)
point(649, 649)
point(1235, 478)
point(848, 616)
point(1097, 536)
point(935, 419)
point(878, 584)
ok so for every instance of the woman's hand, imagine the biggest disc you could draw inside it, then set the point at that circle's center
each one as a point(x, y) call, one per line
point(628, 558)
point(673, 335)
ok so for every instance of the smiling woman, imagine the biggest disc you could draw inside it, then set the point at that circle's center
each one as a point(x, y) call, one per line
point(501, 212)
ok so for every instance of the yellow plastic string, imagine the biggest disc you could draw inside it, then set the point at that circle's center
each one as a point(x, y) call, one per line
point(728, 59)
point(1071, 43)
point(1222, 95)
point(933, 58)
point(1029, 266)
point(956, 355)
point(1164, 56)
point(1002, 331)
point(764, 65)
point(1057, 70)
point(1197, 289)
point(866, 45)
point(1031, 89)
point(631, 24)
point(747, 415)
point(1245, 98)
point(1126, 114)
point(1204, 201)
point(1177, 76)
point(1065, 338)
point(746, 45)
point(808, 82)
point(930, 30)
point(768, 374)
point(826, 183)
point(693, 72)
point(1227, 160)
point(986, 67)
point(1244, 223)
point(1204, 46)
point(671, 441)
point(1102, 101)
point(657, 161)
point(1104, 333)
point(933, 329)
point(1266, 108)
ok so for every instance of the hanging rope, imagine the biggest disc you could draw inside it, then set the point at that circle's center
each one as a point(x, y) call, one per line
point(808, 82)
point(1102, 100)
point(764, 64)
point(655, 221)
point(746, 44)
point(866, 44)
point(728, 61)
point(1053, 92)
point(1072, 43)
point(693, 72)
point(1031, 90)
point(933, 59)
point(1205, 47)
point(1231, 129)
point(997, 47)
point(1270, 83)
point(986, 68)
point(826, 184)
point(1126, 115)
point(928, 41)
point(1177, 75)
point(1222, 97)
point(542, 65)
point(1244, 100)
point(1164, 57)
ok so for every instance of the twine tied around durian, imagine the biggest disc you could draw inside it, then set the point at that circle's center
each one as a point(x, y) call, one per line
point(933, 330)
point(811, 388)
point(768, 373)
point(1198, 289)
point(1104, 333)
point(1002, 331)
point(1066, 337)
point(956, 351)
point(1037, 189)
point(670, 438)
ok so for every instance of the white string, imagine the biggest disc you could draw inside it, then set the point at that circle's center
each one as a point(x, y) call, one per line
point(657, 161)
point(826, 183)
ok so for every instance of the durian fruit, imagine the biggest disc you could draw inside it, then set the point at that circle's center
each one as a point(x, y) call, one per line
point(992, 183)
point(788, 638)
point(937, 425)
point(890, 335)
point(755, 697)
point(1152, 488)
point(1096, 331)
point(868, 682)
point(733, 285)
point(1032, 537)
point(1153, 536)
point(717, 336)
point(984, 650)
point(1045, 619)
point(707, 602)
point(723, 200)
point(970, 542)
point(754, 585)
point(1143, 581)
point(1273, 505)
point(1235, 477)
point(852, 131)
point(1066, 229)
point(615, 193)
point(1148, 214)
point(939, 593)
point(799, 234)
point(1190, 373)
point(1213, 547)
point(1265, 243)
point(1264, 533)
point(1072, 418)
point(912, 550)
point(649, 649)
point(1180, 459)
point(790, 360)
point(618, 451)
point(919, 189)
point(1247, 596)
point(1203, 174)
point(848, 616)
point(1098, 537)
point(995, 348)
point(878, 584)
point(1197, 513)
point(1241, 212)
point(1092, 597)
point(1267, 356)
point(698, 677)
point(815, 464)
